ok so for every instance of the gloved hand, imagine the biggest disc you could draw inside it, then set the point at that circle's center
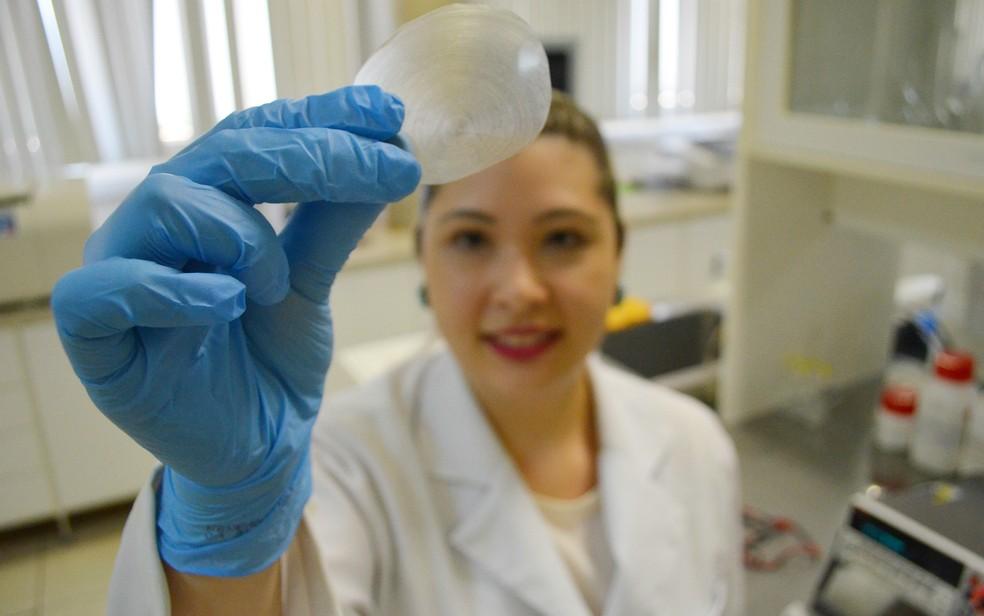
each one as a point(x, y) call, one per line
point(206, 337)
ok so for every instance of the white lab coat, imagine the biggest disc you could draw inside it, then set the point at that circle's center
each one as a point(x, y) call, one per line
point(417, 510)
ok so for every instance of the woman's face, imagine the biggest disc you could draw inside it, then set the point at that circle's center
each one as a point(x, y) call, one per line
point(521, 264)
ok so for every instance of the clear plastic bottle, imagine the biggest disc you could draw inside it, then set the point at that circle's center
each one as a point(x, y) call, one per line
point(972, 452)
point(895, 417)
point(943, 408)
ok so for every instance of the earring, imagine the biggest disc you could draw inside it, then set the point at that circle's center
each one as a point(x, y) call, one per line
point(619, 294)
point(422, 295)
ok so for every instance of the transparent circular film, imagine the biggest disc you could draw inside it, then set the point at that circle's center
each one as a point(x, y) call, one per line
point(475, 83)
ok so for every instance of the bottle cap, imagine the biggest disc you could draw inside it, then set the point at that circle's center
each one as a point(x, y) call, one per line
point(954, 366)
point(899, 399)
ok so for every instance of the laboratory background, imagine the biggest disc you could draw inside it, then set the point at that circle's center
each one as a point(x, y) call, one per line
point(802, 183)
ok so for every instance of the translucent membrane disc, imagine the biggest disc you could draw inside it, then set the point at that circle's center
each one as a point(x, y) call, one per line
point(475, 83)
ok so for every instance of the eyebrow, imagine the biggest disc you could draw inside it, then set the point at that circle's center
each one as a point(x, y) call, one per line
point(474, 215)
point(550, 215)
point(556, 213)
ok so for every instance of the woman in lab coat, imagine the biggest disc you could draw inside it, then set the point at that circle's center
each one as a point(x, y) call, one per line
point(508, 470)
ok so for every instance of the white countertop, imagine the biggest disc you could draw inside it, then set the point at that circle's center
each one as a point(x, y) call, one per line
point(654, 207)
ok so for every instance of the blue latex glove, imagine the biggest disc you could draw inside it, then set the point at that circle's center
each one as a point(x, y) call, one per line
point(206, 337)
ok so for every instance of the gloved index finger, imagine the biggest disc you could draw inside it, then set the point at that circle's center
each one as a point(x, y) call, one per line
point(367, 111)
point(171, 220)
point(270, 165)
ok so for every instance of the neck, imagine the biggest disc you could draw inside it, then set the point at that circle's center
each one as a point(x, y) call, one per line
point(549, 434)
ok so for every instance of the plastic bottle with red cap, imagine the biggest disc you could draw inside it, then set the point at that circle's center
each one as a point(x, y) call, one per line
point(943, 409)
point(895, 418)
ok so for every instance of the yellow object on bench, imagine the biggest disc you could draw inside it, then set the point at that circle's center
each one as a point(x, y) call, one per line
point(629, 312)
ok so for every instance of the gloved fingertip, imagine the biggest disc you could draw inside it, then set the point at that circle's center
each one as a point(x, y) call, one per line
point(397, 105)
point(282, 288)
point(386, 108)
point(231, 307)
point(267, 278)
point(224, 296)
point(401, 141)
point(411, 176)
point(92, 250)
point(64, 295)
point(402, 172)
point(273, 293)
point(379, 96)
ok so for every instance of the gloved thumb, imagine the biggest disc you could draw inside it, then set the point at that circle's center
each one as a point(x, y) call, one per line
point(318, 240)
point(320, 235)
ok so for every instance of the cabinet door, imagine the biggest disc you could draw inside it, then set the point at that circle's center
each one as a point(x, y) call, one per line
point(707, 247)
point(26, 498)
point(25, 488)
point(15, 406)
point(94, 462)
point(23, 484)
point(19, 451)
point(10, 368)
point(861, 101)
point(372, 303)
point(652, 261)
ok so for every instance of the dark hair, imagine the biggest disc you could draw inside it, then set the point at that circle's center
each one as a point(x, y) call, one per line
point(568, 120)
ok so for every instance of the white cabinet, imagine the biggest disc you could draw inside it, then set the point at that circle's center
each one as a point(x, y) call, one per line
point(26, 498)
point(888, 89)
point(679, 261)
point(93, 461)
point(707, 249)
point(58, 454)
point(652, 261)
point(10, 369)
point(377, 301)
point(24, 480)
point(834, 174)
point(20, 451)
point(15, 405)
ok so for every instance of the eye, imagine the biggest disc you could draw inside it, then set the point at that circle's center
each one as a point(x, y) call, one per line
point(468, 240)
point(565, 239)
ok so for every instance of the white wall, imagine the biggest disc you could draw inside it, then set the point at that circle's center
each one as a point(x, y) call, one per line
point(592, 25)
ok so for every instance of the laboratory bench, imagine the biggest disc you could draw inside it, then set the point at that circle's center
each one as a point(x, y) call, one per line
point(809, 473)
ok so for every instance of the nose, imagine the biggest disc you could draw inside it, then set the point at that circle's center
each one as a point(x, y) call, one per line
point(518, 284)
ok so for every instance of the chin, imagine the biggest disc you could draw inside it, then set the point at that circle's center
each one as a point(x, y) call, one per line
point(517, 376)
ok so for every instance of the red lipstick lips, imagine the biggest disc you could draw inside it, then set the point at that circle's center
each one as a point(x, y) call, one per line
point(522, 343)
